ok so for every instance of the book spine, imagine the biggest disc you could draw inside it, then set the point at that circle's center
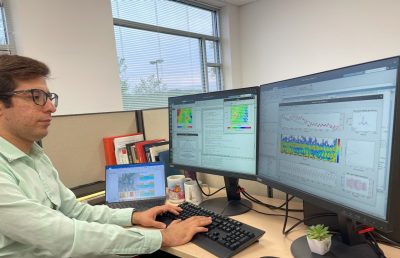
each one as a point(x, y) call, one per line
point(129, 153)
point(108, 145)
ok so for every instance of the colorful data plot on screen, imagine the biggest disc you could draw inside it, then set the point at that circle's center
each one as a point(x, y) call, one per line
point(184, 118)
point(323, 149)
point(132, 186)
point(239, 117)
point(313, 121)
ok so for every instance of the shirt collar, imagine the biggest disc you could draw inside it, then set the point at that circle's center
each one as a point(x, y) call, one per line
point(11, 152)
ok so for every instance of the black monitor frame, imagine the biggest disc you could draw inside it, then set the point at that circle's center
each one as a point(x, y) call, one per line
point(348, 214)
point(232, 204)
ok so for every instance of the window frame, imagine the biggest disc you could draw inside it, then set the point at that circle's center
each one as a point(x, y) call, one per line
point(205, 64)
point(9, 47)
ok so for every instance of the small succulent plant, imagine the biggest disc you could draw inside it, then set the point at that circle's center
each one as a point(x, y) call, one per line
point(318, 232)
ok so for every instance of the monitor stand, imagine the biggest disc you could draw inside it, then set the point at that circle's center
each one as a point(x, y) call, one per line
point(347, 244)
point(230, 205)
point(300, 249)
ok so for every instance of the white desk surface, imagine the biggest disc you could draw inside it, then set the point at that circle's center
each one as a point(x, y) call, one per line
point(272, 243)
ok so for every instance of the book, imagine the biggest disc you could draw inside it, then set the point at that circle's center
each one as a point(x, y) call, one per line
point(155, 150)
point(148, 147)
point(131, 151)
point(140, 153)
point(109, 148)
point(121, 154)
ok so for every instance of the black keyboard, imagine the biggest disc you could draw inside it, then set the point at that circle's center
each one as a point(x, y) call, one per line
point(225, 237)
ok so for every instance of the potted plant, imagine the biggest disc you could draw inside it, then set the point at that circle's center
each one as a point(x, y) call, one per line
point(319, 239)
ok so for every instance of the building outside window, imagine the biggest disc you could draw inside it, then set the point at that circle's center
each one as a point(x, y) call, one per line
point(165, 48)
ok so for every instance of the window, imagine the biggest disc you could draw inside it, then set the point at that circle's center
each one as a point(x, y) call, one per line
point(165, 48)
point(5, 46)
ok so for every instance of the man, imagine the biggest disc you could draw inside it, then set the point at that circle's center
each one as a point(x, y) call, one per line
point(39, 216)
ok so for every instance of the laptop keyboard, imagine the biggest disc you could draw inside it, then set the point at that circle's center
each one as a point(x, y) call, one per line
point(138, 205)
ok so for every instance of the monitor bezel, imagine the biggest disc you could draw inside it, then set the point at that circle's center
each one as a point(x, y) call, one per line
point(209, 95)
point(393, 210)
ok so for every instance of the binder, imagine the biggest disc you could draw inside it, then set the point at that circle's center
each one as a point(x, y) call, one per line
point(109, 149)
point(139, 146)
point(155, 149)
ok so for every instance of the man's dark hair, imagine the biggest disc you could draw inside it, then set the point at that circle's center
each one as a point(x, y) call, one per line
point(14, 69)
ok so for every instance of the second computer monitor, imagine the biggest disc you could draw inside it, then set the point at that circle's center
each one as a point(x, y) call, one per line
point(332, 138)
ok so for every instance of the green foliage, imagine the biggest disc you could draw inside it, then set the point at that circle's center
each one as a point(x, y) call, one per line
point(150, 85)
point(122, 69)
point(319, 232)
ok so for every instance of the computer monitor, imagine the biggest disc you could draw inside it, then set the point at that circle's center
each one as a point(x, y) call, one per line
point(331, 138)
point(216, 133)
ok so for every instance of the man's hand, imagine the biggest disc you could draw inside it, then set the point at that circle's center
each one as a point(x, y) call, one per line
point(180, 232)
point(148, 218)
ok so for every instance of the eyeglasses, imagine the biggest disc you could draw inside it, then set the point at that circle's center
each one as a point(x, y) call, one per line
point(39, 97)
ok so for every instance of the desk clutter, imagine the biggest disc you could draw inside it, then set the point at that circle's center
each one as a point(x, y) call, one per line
point(132, 149)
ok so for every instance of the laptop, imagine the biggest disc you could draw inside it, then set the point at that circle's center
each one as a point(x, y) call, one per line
point(139, 186)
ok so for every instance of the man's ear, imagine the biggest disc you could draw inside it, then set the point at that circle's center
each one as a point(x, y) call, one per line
point(2, 107)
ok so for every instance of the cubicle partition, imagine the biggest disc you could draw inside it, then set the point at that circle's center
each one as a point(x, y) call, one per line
point(75, 146)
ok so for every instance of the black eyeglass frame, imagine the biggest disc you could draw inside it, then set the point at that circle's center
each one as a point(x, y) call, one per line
point(48, 95)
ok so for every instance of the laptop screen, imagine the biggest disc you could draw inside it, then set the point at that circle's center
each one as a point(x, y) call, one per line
point(135, 182)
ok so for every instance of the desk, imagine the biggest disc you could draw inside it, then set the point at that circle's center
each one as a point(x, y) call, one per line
point(272, 243)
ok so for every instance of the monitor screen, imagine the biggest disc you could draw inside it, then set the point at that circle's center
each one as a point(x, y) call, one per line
point(329, 138)
point(132, 182)
point(216, 133)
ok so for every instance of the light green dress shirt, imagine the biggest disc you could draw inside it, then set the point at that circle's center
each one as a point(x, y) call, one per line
point(40, 217)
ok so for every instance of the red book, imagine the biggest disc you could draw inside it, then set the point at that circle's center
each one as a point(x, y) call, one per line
point(141, 154)
point(109, 148)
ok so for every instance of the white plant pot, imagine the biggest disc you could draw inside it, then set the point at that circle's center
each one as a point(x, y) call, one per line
point(319, 247)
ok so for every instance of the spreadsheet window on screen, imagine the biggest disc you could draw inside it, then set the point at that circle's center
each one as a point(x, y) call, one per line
point(331, 136)
point(217, 133)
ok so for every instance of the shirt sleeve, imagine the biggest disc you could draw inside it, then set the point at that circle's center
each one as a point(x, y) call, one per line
point(68, 235)
point(72, 208)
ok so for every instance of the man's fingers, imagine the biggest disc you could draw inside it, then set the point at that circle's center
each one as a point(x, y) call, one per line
point(173, 209)
point(157, 224)
point(201, 229)
point(199, 220)
point(175, 221)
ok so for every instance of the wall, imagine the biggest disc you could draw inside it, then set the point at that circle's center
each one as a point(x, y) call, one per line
point(80, 52)
point(156, 123)
point(285, 39)
point(76, 40)
point(75, 145)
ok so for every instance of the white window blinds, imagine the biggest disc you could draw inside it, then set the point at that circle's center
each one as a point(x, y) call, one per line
point(5, 47)
point(165, 48)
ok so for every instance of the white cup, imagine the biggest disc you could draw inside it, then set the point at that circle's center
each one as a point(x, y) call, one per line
point(175, 187)
point(193, 193)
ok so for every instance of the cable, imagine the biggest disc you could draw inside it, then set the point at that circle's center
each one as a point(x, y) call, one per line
point(286, 214)
point(383, 239)
point(272, 207)
point(209, 194)
point(309, 218)
point(269, 214)
point(371, 241)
